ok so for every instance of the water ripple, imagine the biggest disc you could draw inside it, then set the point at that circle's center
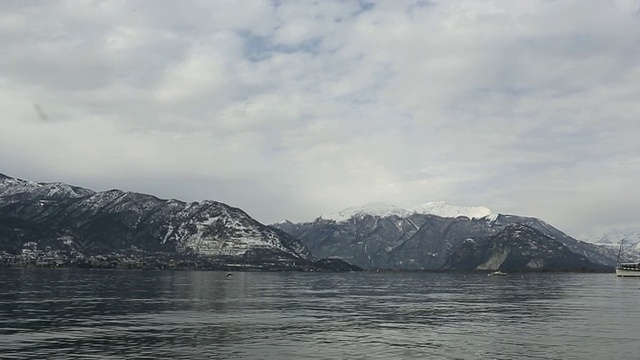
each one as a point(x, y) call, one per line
point(185, 315)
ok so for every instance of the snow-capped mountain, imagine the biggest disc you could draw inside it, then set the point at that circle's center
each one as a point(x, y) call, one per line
point(438, 208)
point(60, 216)
point(431, 237)
point(33, 190)
point(444, 209)
point(372, 209)
point(628, 237)
point(614, 237)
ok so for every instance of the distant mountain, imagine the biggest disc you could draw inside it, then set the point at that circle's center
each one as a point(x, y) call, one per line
point(629, 237)
point(440, 236)
point(612, 237)
point(41, 219)
point(439, 208)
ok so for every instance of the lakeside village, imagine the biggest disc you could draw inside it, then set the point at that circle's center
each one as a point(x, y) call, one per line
point(33, 257)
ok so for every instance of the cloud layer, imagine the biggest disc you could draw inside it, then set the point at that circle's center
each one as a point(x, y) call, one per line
point(293, 109)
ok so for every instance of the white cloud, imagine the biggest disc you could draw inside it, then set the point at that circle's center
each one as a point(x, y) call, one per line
point(292, 109)
point(207, 71)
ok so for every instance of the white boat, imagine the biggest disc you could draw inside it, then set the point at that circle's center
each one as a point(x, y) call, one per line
point(628, 270)
point(497, 273)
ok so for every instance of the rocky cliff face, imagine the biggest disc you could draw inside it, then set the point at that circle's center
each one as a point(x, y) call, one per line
point(411, 240)
point(64, 217)
point(517, 248)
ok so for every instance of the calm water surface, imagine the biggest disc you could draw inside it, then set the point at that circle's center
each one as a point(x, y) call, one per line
point(110, 314)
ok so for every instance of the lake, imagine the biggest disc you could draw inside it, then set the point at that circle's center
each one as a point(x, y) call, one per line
point(113, 314)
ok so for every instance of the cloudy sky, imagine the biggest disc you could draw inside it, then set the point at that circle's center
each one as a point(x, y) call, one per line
point(293, 109)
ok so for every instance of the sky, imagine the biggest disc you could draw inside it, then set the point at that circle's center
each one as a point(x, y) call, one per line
point(294, 109)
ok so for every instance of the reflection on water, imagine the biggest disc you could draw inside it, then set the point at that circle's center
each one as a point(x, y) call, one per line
point(110, 314)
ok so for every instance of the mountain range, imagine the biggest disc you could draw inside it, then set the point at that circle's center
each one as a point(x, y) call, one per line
point(612, 237)
point(45, 220)
point(441, 237)
point(626, 238)
point(56, 224)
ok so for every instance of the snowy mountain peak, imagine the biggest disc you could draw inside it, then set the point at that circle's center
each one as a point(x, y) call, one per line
point(373, 209)
point(12, 186)
point(438, 208)
point(444, 209)
point(612, 237)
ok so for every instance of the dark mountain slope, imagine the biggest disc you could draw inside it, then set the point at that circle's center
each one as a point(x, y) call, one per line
point(69, 218)
point(417, 241)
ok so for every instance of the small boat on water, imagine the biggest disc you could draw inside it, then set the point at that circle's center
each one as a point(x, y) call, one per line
point(626, 269)
point(497, 273)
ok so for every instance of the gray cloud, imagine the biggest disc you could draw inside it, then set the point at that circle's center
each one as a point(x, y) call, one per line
point(294, 109)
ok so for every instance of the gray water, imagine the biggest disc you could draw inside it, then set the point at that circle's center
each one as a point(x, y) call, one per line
point(110, 314)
